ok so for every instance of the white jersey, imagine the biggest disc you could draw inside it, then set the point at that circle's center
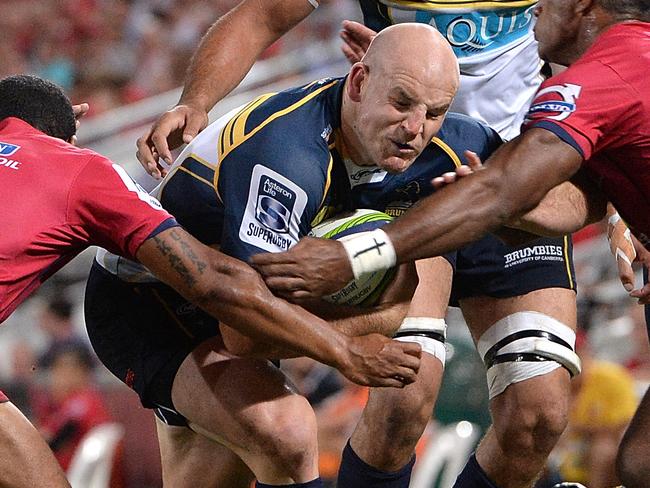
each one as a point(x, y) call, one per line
point(495, 47)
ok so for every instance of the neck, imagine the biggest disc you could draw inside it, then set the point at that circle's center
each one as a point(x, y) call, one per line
point(593, 25)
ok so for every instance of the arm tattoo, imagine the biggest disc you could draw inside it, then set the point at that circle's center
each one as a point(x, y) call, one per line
point(176, 261)
point(187, 250)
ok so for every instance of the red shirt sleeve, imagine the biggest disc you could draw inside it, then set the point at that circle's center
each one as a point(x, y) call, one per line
point(587, 105)
point(113, 210)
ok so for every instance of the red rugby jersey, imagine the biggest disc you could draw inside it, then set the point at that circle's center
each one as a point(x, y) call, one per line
point(56, 200)
point(601, 106)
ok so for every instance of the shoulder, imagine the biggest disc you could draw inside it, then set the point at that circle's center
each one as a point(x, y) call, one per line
point(460, 132)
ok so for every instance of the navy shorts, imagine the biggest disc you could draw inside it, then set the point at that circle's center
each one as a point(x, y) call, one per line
point(488, 267)
point(142, 333)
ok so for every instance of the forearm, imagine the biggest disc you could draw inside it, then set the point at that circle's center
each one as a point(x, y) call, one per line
point(565, 209)
point(222, 59)
point(231, 291)
point(516, 178)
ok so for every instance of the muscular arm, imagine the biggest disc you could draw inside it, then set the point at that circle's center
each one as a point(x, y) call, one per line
point(383, 318)
point(222, 59)
point(219, 64)
point(231, 291)
point(565, 209)
point(517, 177)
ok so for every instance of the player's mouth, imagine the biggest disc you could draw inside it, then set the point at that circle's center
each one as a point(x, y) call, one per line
point(404, 148)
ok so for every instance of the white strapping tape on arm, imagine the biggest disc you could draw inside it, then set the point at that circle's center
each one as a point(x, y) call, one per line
point(314, 3)
point(369, 252)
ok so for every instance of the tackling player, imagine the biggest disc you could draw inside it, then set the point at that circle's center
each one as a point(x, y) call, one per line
point(591, 120)
point(64, 199)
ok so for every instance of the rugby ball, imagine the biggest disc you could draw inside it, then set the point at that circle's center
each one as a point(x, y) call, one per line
point(368, 288)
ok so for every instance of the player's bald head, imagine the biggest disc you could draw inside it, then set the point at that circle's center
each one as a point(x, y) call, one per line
point(415, 49)
point(397, 96)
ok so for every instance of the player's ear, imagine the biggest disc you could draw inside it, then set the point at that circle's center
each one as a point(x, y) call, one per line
point(356, 81)
point(583, 7)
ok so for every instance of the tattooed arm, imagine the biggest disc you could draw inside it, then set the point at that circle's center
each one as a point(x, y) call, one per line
point(232, 291)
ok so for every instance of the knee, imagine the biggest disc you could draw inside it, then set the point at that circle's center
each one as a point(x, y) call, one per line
point(632, 465)
point(533, 428)
point(287, 435)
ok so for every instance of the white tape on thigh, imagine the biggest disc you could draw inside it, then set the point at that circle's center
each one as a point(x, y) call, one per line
point(524, 345)
point(428, 332)
point(369, 252)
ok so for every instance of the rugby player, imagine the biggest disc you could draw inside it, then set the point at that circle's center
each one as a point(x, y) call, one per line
point(590, 121)
point(499, 287)
point(238, 186)
point(60, 200)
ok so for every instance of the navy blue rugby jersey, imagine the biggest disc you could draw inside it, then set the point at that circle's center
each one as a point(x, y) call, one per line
point(259, 178)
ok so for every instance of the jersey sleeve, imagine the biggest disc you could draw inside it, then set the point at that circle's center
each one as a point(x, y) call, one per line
point(571, 106)
point(270, 193)
point(114, 211)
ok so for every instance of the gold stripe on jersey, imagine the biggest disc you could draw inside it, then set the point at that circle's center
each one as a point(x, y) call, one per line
point(457, 4)
point(198, 159)
point(181, 168)
point(200, 178)
point(227, 136)
point(241, 138)
point(567, 262)
point(450, 152)
point(328, 180)
point(239, 129)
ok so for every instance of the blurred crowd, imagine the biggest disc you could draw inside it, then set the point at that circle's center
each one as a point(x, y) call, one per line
point(113, 52)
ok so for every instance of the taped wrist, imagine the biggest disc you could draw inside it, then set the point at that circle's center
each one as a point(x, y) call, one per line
point(369, 252)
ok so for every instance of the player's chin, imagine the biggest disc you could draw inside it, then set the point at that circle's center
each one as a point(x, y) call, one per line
point(398, 164)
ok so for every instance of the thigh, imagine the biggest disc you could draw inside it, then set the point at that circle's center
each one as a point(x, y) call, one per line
point(482, 312)
point(236, 401)
point(186, 454)
point(142, 332)
point(25, 459)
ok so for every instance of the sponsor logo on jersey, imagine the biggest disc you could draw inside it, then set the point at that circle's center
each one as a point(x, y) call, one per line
point(534, 253)
point(472, 33)
point(9, 163)
point(555, 102)
point(7, 149)
point(397, 209)
point(272, 216)
point(275, 203)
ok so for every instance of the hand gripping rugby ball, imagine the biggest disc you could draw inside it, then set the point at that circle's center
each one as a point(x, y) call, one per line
point(368, 288)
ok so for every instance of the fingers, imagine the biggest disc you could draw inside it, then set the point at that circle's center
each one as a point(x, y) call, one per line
point(80, 110)
point(352, 50)
point(625, 274)
point(361, 34)
point(193, 125)
point(473, 161)
point(161, 130)
point(444, 179)
point(147, 157)
point(642, 294)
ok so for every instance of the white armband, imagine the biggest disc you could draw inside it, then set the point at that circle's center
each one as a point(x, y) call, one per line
point(369, 252)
